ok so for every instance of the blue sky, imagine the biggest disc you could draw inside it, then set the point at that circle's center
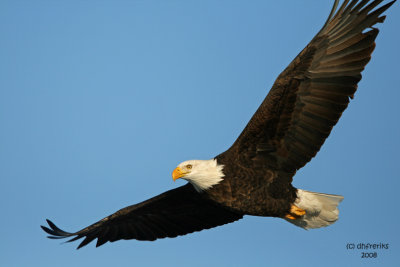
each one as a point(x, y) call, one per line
point(100, 100)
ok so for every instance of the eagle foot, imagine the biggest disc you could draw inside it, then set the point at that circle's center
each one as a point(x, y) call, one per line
point(295, 213)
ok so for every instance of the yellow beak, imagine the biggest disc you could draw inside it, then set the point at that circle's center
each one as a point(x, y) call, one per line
point(177, 173)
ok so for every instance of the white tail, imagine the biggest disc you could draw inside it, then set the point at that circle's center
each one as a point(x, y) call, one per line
point(321, 209)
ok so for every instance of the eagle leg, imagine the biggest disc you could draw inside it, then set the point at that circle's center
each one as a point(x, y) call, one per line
point(295, 213)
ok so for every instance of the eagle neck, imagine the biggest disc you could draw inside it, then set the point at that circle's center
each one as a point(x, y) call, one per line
point(210, 174)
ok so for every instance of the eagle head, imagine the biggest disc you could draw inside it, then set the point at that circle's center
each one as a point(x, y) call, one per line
point(202, 174)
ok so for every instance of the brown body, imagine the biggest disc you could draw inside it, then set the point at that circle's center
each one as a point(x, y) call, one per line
point(252, 191)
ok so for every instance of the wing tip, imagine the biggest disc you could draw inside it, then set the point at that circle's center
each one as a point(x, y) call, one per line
point(54, 231)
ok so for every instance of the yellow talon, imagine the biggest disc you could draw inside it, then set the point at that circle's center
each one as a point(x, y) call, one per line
point(288, 216)
point(295, 213)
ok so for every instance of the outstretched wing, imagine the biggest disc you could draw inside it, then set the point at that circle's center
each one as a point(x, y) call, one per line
point(309, 96)
point(176, 212)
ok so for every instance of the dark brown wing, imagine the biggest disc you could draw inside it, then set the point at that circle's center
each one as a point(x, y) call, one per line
point(176, 212)
point(309, 96)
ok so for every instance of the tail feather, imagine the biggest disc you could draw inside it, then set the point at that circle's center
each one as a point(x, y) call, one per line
point(321, 209)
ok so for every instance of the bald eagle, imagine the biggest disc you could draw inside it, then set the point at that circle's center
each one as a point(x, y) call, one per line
point(254, 176)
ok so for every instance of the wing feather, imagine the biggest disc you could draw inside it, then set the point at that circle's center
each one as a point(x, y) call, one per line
point(309, 96)
point(176, 212)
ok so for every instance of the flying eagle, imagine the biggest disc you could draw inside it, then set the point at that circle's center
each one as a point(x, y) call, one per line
point(254, 176)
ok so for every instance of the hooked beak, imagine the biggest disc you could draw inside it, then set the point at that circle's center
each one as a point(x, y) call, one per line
point(178, 173)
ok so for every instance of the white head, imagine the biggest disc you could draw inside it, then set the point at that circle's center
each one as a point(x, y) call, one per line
point(202, 174)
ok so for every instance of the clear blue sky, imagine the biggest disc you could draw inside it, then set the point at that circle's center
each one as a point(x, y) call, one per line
point(100, 100)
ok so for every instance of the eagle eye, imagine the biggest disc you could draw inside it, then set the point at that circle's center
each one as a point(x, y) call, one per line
point(189, 166)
